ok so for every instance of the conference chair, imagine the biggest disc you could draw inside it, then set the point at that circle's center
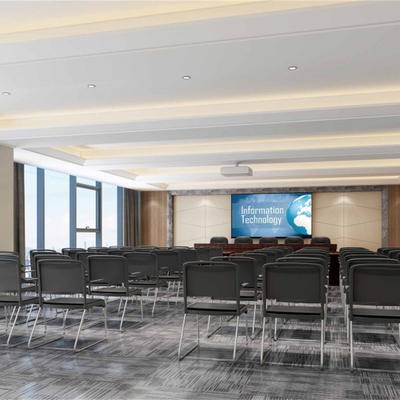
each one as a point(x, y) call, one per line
point(204, 281)
point(146, 248)
point(320, 240)
point(278, 251)
point(98, 249)
point(293, 283)
point(243, 240)
point(219, 240)
point(71, 251)
point(203, 253)
point(393, 254)
point(112, 272)
point(248, 283)
point(83, 257)
point(385, 250)
point(34, 252)
point(373, 285)
point(144, 273)
point(268, 239)
point(294, 240)
point(58, 278)
point(12, 293)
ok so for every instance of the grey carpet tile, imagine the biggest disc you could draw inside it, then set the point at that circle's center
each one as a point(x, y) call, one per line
point(141, 362)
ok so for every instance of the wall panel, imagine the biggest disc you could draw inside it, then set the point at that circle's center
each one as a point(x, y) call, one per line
point(348, 218)
point(394, 215)
point(153, 216)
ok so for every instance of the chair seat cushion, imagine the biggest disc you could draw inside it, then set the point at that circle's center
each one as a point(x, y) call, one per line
point(376, 314)
point(151, 283)
point(14, 300)
point(73, 303)
point(119, 291)
point(170, 277)
point(295, 312)
point(215, 308)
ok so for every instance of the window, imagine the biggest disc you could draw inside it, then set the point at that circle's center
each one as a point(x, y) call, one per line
point(30, 210)
point(56, 217)
point(109, 194)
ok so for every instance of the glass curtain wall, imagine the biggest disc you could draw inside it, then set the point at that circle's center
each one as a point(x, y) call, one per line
point(64, 211)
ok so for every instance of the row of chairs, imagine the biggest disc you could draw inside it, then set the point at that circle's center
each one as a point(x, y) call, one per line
point(270, 240)
point(369, 288)
point(277, 276)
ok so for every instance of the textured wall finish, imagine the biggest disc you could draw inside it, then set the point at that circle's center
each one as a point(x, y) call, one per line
point(348, 218)
point(6, 198)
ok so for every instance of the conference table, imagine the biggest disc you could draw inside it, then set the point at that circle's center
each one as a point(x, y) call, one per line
point(231, 248)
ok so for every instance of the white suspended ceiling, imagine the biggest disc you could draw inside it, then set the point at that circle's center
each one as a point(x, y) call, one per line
point(333, 121)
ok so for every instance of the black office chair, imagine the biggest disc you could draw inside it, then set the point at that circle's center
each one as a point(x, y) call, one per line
point(112, 272)
point(293, 283)
point(294, 240)
point(268, 239)
point(98, 249)
point(243, 240)
point(144, 274)
point(373, 285)
point(60, 277)
point(212, 280)
point(71, 251)
point(219, 240)
point(12, 292)
point(320, 240)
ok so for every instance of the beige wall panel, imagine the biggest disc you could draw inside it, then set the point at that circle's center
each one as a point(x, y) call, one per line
point(217, 216)
point(219, 230)
point(332, 231)
point(364, 199)
point(187, 232)
point(322, 200)
point(6, 199)
point(195, 216)
point(190, 242)
point(354, 215)
point(360, 243)
point(368, 232)
point(219, 201)
point(182, 203)
point(332, 215)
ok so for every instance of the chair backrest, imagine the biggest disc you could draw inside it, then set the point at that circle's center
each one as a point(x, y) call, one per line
point(10, 276)
point(268, 239)
point(179, 248)
point(113, 270)
point(366, 260)
point(374, 284)
point(216, 251)
point(278, 252)
point(385, 250)
point(83, 257)
point(34, 252)
point(98, 249)
point(186, 255)
point(243, 240)
point(305, 260)
point(247, 269)
point(168, 260)
point(219, 239)
point(294, 282)
point(321, 240)
point(144, 262)
point(203, 253)
point(294, 240)
point(322, 255)
point(47, 256)
point(211, 279)
point(61, 276)
point(272, 255)
point(260, 258)
point(71, 251)
point(117, 252)
point(393, 254)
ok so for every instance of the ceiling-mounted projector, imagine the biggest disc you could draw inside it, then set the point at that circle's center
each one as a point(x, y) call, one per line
point(236, 170)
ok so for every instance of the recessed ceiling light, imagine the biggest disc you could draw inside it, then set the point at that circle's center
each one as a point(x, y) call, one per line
point(186, 77)
point(91, 86)
point(292, 68)
point(6, 93)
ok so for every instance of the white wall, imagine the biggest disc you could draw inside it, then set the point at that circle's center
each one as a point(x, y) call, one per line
point(348, 218)
point(6, 198)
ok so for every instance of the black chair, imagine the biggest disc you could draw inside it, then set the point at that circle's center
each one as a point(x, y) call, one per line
point(277, 251)
point(320, 240)
point(12, 292)
point(294, 240)
point(209, 280)
point(71, 251)
point(35, 252)
point(83, 257)
point(98, 249)
point(144, 273)
point(268, 239)
point(146, 248)
point(60, 277)
point(373, 285)
point(219, 240)
point(293, 283)
point(112, 271)
point(243, 240)
point(203, 253)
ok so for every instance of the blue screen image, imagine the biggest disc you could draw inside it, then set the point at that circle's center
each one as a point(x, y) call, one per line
point(273, 214)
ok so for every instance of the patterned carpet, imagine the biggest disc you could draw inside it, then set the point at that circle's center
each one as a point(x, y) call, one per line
point(141, 362)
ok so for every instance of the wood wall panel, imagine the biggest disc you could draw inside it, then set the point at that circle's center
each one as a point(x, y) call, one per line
point(153, 217)
point(394, 215)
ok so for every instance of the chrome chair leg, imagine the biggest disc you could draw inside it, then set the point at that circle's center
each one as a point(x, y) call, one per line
point(123, 314)
point(181, 339)
point(79, 330)
point(322, 342)
point(13, 325)
point(351, 346)
point(262, 342)
point(236, 336)
point(155, 301)
point(177, 292)
point(34, 327)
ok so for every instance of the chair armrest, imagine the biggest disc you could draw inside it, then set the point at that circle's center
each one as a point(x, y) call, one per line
point(135, 273)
